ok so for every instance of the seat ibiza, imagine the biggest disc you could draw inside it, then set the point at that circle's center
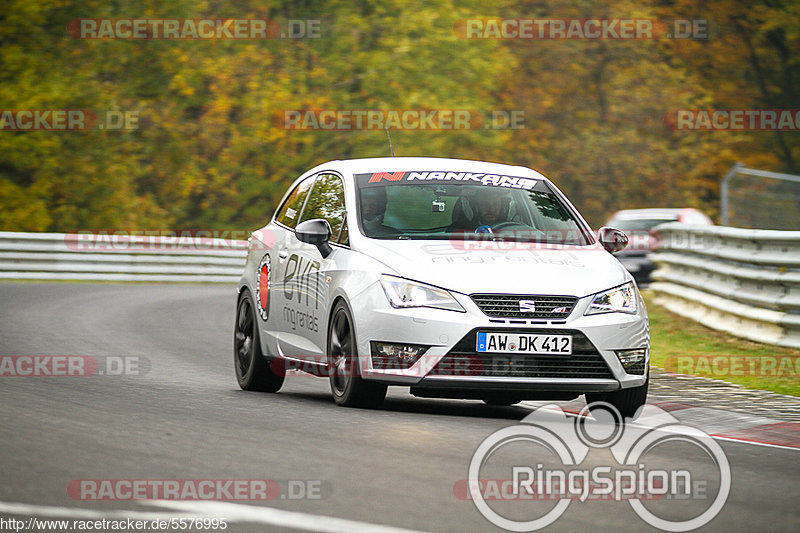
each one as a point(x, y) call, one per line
point(457, 279)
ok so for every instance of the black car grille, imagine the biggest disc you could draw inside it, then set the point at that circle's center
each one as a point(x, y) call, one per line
point(507, 305)
point(585, 361)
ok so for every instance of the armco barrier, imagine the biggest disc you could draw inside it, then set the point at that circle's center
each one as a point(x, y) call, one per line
point(59, 256)
point(742, 281)
point(745, 282)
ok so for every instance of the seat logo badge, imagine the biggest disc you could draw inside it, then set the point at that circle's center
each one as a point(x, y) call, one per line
point(527, 306)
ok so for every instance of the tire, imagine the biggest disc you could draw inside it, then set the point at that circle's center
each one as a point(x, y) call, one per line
point(347, 387)
point(253, 372)
point(626, 401)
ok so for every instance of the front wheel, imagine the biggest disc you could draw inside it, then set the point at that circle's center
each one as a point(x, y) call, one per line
point(627, 402)
point(253, 372)
point(347, 387)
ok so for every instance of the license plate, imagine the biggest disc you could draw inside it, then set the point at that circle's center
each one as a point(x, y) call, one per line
point(524, 343)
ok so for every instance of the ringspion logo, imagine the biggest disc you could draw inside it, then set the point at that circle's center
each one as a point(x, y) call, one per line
point(549, 464)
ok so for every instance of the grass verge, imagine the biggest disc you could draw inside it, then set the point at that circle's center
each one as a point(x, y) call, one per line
point(679, 343)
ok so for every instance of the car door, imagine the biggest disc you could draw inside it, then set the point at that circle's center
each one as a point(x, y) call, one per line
point(272, 264)
point(305, 275)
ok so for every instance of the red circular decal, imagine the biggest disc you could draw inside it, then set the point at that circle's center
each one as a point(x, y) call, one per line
point(263, 286)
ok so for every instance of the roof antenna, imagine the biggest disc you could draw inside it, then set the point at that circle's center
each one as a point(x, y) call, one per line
point(390, 140)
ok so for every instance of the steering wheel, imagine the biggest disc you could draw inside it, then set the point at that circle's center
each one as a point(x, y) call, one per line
point(486, 228)
point(506, 224)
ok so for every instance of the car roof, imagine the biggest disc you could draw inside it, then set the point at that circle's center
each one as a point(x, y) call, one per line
point(655, 212)
point(397, 164)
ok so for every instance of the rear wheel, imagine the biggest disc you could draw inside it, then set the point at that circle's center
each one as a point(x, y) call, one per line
point(253, 372)
point(626, 401)
point(347, 387)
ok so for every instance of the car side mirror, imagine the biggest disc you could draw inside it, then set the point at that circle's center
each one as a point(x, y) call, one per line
point(612, 239)
point(316, 231)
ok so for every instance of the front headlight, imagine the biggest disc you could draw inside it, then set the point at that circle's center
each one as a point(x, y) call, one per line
point(404, 293)
point(622, 299)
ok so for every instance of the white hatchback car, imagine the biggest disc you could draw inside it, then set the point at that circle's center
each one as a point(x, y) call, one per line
point(458, 279)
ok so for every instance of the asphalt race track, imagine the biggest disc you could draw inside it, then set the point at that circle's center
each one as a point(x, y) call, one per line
point(185, 418)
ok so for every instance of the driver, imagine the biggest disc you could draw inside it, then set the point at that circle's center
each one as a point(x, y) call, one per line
point(490, 208)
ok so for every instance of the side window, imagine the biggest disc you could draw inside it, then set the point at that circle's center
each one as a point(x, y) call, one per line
point(327, 202)
point(289, 213)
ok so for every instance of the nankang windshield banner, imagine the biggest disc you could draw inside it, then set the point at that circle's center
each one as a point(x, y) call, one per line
point(475, 178)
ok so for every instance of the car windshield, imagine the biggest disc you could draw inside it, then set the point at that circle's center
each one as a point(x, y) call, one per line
point(442, 210)
point(639, 224)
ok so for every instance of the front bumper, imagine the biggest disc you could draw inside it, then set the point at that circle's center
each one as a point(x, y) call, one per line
point(452, 362)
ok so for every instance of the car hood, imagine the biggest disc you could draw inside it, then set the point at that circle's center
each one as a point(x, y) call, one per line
point(508, 268)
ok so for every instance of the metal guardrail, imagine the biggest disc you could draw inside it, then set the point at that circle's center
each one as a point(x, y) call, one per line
point(739, 170)
point(742, 281)
point(60, 256)
point(745, 282)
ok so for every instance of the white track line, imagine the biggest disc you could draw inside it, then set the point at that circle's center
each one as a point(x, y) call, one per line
point(237, 512)
point(79, 513)
point(738, 417)
point(755, 443)
point(231, 512)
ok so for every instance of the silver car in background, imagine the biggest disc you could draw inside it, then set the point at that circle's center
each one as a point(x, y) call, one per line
point(639, 226)
point(457, 279)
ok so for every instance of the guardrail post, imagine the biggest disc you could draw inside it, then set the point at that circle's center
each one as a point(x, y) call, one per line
point(724, 191)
